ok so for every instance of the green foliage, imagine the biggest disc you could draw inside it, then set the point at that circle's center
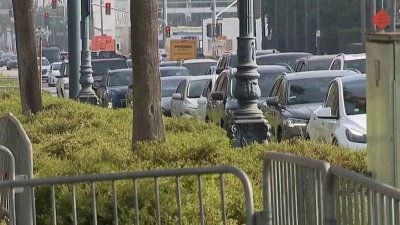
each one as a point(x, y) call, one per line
point(70, 138)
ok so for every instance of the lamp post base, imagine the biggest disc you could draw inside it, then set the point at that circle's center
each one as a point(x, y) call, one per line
point(245, 130)
point(89, 98)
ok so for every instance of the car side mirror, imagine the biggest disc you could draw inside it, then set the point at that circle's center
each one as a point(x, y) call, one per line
point(272, 101)
point(202, 101)
point(218, 96)
point(177, 96)
point(219, 70)
point(325, 113)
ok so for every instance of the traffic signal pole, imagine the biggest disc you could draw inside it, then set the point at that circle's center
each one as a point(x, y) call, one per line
point(165, 23)
point(214, 24)
point(101, 18)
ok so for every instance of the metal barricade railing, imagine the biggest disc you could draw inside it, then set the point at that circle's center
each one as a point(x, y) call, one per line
point(87, 185)
point(361, 200)
point(7, 195)
point(293, 188)
point(298, 190)
point(9, 83)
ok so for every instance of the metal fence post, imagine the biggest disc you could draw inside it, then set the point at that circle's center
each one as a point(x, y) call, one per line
point(267, 212)
point(329, 204)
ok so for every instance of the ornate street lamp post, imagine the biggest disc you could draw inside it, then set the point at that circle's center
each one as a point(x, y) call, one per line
point(87, 93)
point(248, 124)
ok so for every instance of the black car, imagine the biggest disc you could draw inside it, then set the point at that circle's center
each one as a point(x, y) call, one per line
point(315, 62)
point(52, 54)
point(12, 63)
point(101, 66)
point(288, 58)
point(5, 57)
point(113, 87)
point(294, 97)
point(221, 103)
point(170, 71)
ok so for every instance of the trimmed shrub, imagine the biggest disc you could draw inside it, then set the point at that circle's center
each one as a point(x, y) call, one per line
point(70, 138)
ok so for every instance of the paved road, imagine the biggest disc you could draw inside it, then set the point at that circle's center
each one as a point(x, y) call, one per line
point(14, 73)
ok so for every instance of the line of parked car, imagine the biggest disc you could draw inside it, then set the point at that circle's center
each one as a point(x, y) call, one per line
point(319, 97)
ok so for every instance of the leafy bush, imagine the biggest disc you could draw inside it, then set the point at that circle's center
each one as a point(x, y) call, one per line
point(70, 138)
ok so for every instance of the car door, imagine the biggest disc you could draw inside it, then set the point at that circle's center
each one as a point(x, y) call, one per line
point(220, 104)
point(212, 104)
point(272, 112)
point(329, 126)
point(101, 90)
point(174, 102)
point(201, 110)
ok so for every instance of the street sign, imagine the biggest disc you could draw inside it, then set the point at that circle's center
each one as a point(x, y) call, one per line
point(42, 32)
point(381, 19)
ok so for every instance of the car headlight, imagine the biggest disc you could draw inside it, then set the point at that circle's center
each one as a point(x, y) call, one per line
point(293, 122)
point(356, 136)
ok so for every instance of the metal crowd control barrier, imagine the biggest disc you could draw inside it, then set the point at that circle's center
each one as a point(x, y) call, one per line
point(7, 195)
point(361, 200)
point(8, 83)
point(14, 138)
point(74, 182)
point(298, 190)
point(293, 188)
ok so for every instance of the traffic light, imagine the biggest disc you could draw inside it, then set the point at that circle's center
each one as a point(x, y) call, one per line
point(218, 29)
point(108, 8)
point(168, 31)
point(210, 30)
point(54, 4)
point(46, 19)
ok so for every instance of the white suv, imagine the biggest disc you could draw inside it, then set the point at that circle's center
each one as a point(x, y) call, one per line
point(355, 62)
point(342, 120)
point(45, 68)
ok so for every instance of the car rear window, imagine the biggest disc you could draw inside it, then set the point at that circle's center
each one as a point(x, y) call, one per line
point(102, 66)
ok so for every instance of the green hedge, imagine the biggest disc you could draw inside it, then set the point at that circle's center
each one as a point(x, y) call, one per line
point(70, 138)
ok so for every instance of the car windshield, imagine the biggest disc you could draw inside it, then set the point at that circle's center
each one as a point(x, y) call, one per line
point(199, 68)
point(310, 90)
point(196, 88)
point(266, 81)
point(354, 97)
point(320, 64)
point(44, 62)
point(358, 64)
point(101, 66)
point(174, 72)
point(120, 78)
point(168, 87)
point(57, 66)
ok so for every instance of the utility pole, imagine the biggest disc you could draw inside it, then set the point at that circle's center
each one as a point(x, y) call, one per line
point(287, 26)
point(64, 23)
point(248, 124)
point(391, 6)
point(214, 26)
point(74, 47)
point(275, 30)
point(305, 26)
point(86, 93)
point(373, 12)
point(363, 24)
point(165, 23)
point(101, 18)
point(318, 31)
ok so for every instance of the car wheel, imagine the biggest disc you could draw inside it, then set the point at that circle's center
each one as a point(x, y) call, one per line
point(207, 119)
point(221, 123)
point(307, 137)
point(335, 142)
point(279, 135)
point(8, 68)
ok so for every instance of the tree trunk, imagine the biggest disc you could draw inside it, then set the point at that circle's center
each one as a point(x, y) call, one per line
point(147, 117)
point(29, 78)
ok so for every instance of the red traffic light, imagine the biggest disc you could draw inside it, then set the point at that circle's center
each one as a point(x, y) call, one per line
point(54, 4)
point(168, 31)
point(108, 8)
point(46, 15)
point(167, 28)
